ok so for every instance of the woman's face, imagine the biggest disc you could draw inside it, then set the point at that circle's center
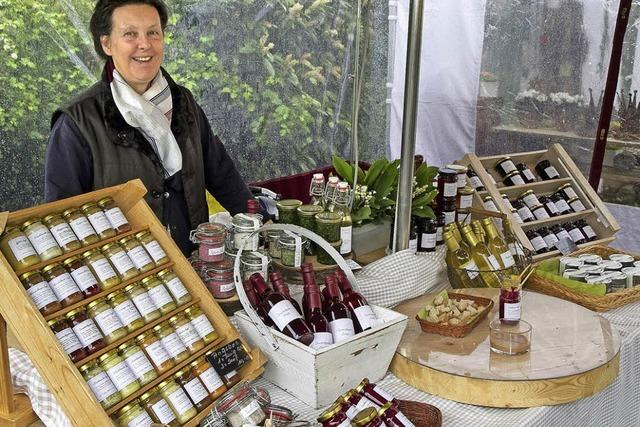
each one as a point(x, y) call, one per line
point(136, 44)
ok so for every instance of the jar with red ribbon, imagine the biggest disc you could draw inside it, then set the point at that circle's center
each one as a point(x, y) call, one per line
point(210, 238)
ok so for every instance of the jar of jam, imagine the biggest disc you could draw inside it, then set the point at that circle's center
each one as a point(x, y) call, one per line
point(102, 269)
point(367, 417)
point(156, 352)
point(126, 311)
point(587, 230)
point(462, 174)
point(209, 377)
point(153, 247)
point(219, 279)
point(159, 294)
point(62, 232)
point(447, 184)
point(513, 178)
point(466, 197)
point(373, 392)
point(120, 260)
point(361, 401)
point(489, 204)
point(551, 208)
point(115, 216)
point(546, 170)
point(138, 254)
point(40, 292)
point(539, 212)
point(67, 339)
point(107, 320)
point(98, 220)
point(100, 384)
point(439, 227)
point(177, 400)
point(202, 325)
point(575, 233)
point(119, 373)
point(505, 166)
point(158, 408)
point(17, 248)
point(576, 205)
point(86, 330)
point(526, 173)
point(567, 191)
point(81, 226)
point(41, 238)
point(560, 232)
point(143, 302)
point(171, 342)
point(506, 202)
point(180, 294)
point(133, 415)
point(449, 211)
point(476, 183)
point(194, 388)
point(210, 238)
point(549, 237)
point(427, 235)
point(529, 198)
point(348, 408)
point(82, 275)
point(523, 211)
point(538, 243)
point(61, 283)
point(231, 378)
point(138, 362)
point(561, 204)
point(334, 417)
point(392, 416)
point(241, 406)
point(187, 333)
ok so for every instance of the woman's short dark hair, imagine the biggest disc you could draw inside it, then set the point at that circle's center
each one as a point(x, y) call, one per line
point(100, 24)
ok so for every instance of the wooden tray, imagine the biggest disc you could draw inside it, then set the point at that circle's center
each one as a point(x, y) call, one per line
point(460, 330)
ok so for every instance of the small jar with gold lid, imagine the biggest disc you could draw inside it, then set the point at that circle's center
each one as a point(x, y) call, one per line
point(143, 302)
point(82, 275)
point(367, 417)
point(86, 330)
point(201, 323)
point(171, 342)
point(100, 384)
point(177, 400)
point(179, 292)
point(209, 377)
point(152, 346)
point(98, 220)
point(125, 310)
point(102, 269)
point(17, 248)
point(194, 388)
point(118, 371)
point(114, 215)
point(138, 362)
point(120, 260)
point(41, 238)
point(159, 294)
point(81, 226)
point(138, 254)
point(158, 408)
point(62, 232)
point(40, 292)
point(186, 332)
point(107, 319)
point(153, 247)
point(133, 415)
point(62, 284)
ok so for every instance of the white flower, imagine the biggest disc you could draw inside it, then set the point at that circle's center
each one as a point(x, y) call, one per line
point(14, 55)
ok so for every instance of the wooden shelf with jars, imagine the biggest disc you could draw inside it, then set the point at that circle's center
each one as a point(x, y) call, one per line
point(35, 337)
point(595, 213)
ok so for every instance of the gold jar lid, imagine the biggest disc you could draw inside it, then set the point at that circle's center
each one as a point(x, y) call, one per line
point(124, 345)
point(107, 355)
point(74, 312)
point(25, 276)
point(466, 190)
point(365, 416)
point(512, 173)
point(68, 212)
point(195, 363)
point(362, 385)
point(50, 267)
point(486, 198)
point(88, 253)
point(107, 246)
point(88, 205)
point(29, 222)
point(49, 217)
point(164, 384)
point(86, 366)
point(141, 337)
point(503, 159)
point(180, 373)
point(148, 279)
point(141, 233)
point(126, 408)
point(573, 200)
point(331, 412)
point(173, 319)
point(54, 321)
point(128, 288)
point(95, 302)
point(124, 240)
point(113, 295)
point(163, 272)
point(69, 260)
point(159, 327)
point(538, 206)
point(105, 200)
point(146, 395)
point(384, 408)
point(526, 193)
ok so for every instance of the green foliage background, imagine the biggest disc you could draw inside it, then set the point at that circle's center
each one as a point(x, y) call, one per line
point(272, 76)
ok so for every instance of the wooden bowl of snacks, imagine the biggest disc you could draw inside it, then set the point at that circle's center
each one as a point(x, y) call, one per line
point(453, 315)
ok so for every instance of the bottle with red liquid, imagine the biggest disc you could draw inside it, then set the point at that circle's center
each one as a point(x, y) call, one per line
point(338, 315)
point(254, 300)
point(510, 306)
point(319, 324)
point(326, 300)
point(310, 286)
point(281, 311)
point(277, 281)
point(363, 316)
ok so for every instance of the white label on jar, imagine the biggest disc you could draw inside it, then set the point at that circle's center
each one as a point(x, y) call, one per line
point(538, 243)
point(127, 312)
point(144, 304)
point(495, 265)
point(157, 353)
point(63, 286)
point(21, 247)
point(428, 240)
point(252, 243)
point(541, 213)
point(84, 278)
point(103, 269)
point(525, 213)
point(569, 191)
point(63, 233)
point(196, 391)
point(516, 215)
point(507, 203)
point(226, 287)
point(507, 166)
point(439, 234)
point(247, 411)
point(121, 375)
point(99, 221)
point(466, 201)
point(450, 189)
point(160, 296)
point(562, 205)
point(475, 182)
point(41, 294)
point(346, 236)
point(449, 217)
point(562, 234)
point(155, 250)
point(413, 244)
point(551, 172)
point(461, 180)
point(576, 234)
point(142, 420)
point(139, 364)
point(101, 386)
point(116, 217)
point(471, 268)
point(517, 180)
point(351, 414)
point(283, 313)
point(321, 340)
point(551, 240)
point(576, 205)
point(341, 329)
point(507, 259)
point(403, 419)
point(68, 340)
point(163, 411)
point(529, 175)
point(87, 332)
point(203, 326)
point(122, 262)
point(82, 227)
point(512, 311)
point(589, 231)
point(176, 288)
point(108, 321)
point(180, 401)
point(41, 239)
point(366, 403)
point(212, 380)
point(552, 207)
point(531, 200)
point(366, 317)
point(490, 206)
point(173, 345)
point(188, 334)
point(139, 256)
point(383, 393)
point(515, 249)
point(218, 250)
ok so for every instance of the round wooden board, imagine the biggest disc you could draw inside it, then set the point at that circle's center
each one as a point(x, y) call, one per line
point(574, 354)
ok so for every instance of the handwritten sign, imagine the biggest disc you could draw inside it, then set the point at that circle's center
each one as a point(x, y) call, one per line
point(229, 358)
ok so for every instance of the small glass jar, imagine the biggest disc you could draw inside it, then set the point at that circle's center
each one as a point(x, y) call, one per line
point(138, 254)
point(219, 279)
point(367, 417)
point(100, 384)
point(516, 216)
point(475, 181)
point(158, 408)
point(391, 416)
point(244, 227)
point(374, 392)
point(159, 294)
point(514, 178)
point(107, 320)
point(576, 234)
point(506, 201)
point(153, 247)
point(328, 226)
point(333, 417)
point(62, 232)
point(539, 212)
point(241, 406)
point(114, 214)
point(505, 166)
point(291, 253)
point(549, 237)
point(551, 208)
point(567, 191)
point(526, 173)
point(447, 183)
point(40, 292)
point(153, 347)
point(17, 248)
point(187, 333)
point(143, 302)
point(254, 262)
point(41, 238)
point(179, 292)
point(194, 388)
point(427, 235)
point(102, 269)
point(126, 311)
point(62, 284)
point(560, 232)
point(98, 220)
point(120, 260)
point(523, 211)
point(538, 243)
point(323, 256)
point(138, 362)
point(287, 211)
point(171, 342)
point(177, 400)
point(272, 238)
point(529, 198)
point(67, 339)
point(209, 377)
point(134, 415)
point(462, 174)
point(576, 205)
point(81, 226)
point(307, 216)
point(587, 230)
point(118, 371)
point(546, 170)
point(86, 330)
point(82, 275)
point(466, 197)
point(202, 325)
point(489, 204)
point(210, 238)
point(560, 203)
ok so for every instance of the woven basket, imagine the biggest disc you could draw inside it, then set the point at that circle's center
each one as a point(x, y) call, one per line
point(460, 330)
point(593, 302)
point(421, 414)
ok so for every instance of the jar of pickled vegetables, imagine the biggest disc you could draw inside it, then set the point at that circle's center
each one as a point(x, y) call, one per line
point(179, 292)
point(98, 220)
point(209, 377)
point(40, 292)
point(86, 330)
point(202, 325)
point(187, 333)
point(177, 400)
point(138, 254)
point(159, 294)
point(82, 275)
point(107, 320)
point(194, 388)
point(81, 226)
point(41, 238)
point(100, 384)
point(171, 342)
point(67, 339)
point(62, 232)
point(143, 302)
point(138, 362)
point(17, 248)
point(119, 373)
point(115, 216)
point(158, 407)
point(61, 283)
point(134, 415)
point(102, 269)
point(153, 247)
point(156, 352)
point(120, 260)
point(126, 311)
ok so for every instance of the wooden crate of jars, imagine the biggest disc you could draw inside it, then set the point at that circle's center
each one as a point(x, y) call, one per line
point(524, 194)
point(119, 302)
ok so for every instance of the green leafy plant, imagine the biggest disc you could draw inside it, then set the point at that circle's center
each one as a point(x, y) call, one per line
point(376, 190)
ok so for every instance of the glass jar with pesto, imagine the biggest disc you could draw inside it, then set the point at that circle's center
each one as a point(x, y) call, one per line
point(202, 324)
point(98, 220)
point(328, 226)
point(179, 292)
point(171, 342)
point(159, 294)
point(287, 213)
point(272, 239)
point(120, 260)
point(187, 332)
point(126, 311)
point(138, 362)
point(324, 258)
point(292, 249)
point(143, 302)
point(138, 254)
point(102, 269)
point(156, 352)
point(153, 247)
point(62, 232)
point(107, 319)
point(100, 384)
point(307, 216)
point(134, 415)
point(81, 226)
point(177, 400)
point(119, 373)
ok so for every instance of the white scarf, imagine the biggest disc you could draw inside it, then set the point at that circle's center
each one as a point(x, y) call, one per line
point(150, 113)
